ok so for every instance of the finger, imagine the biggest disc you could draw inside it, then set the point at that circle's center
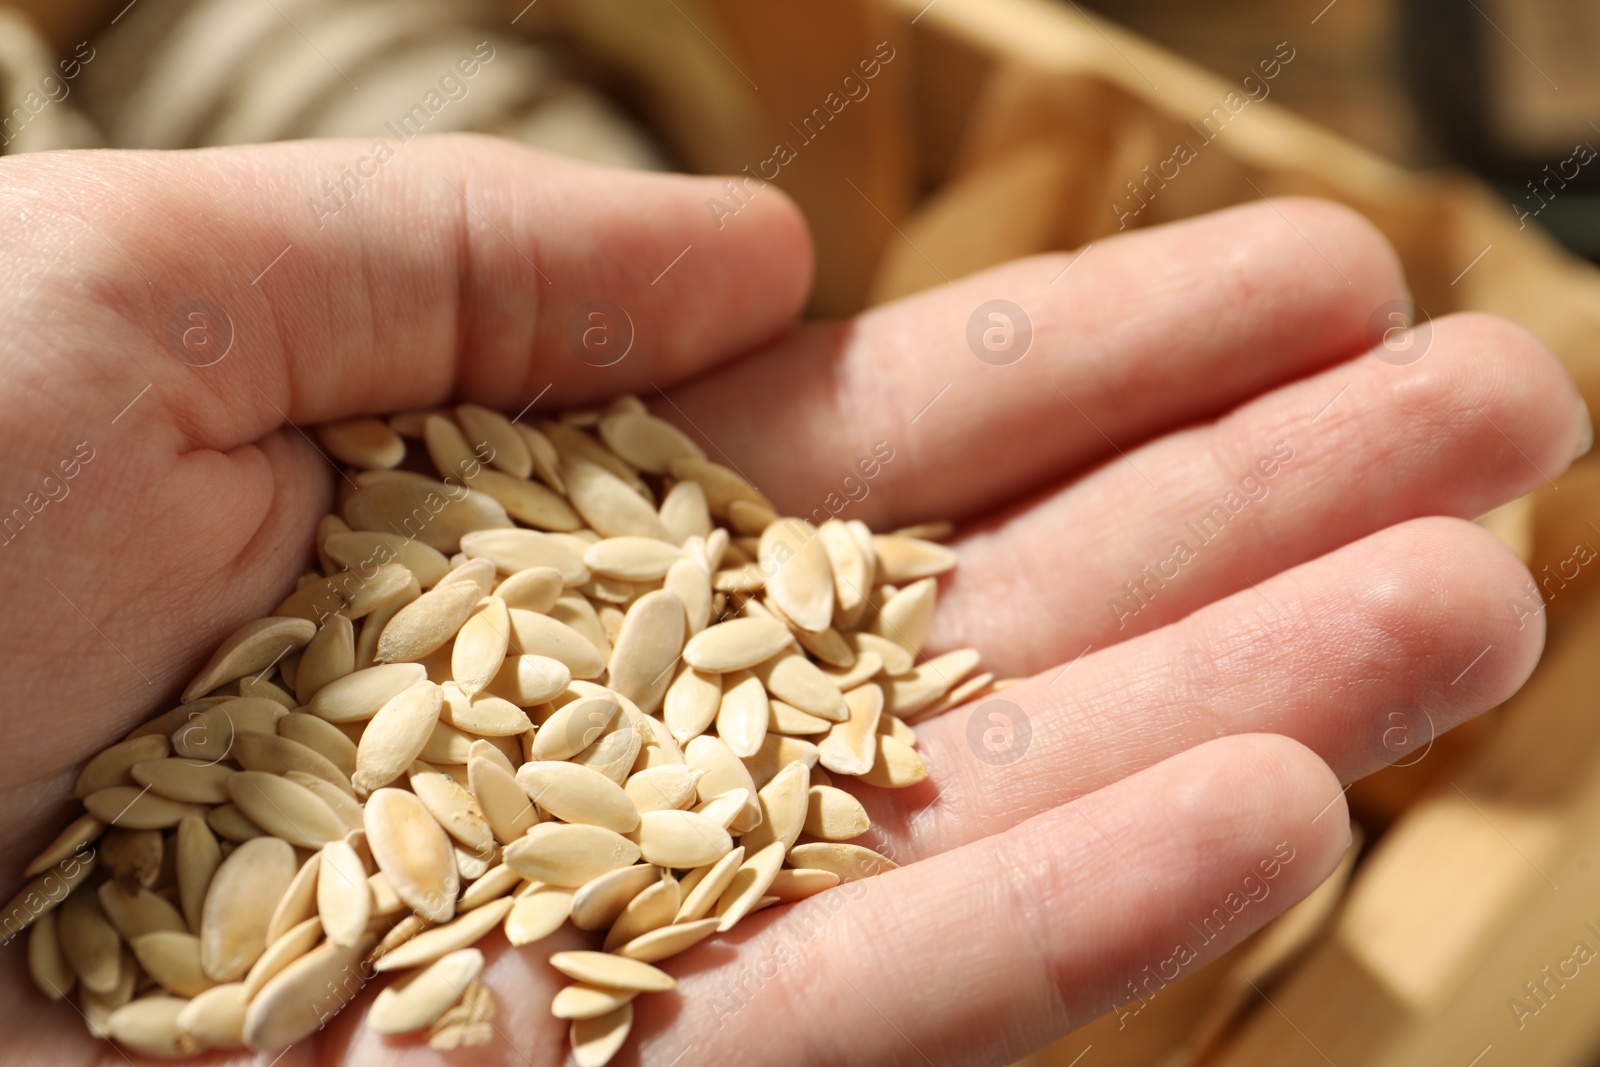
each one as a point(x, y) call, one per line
point(1487, 415)
point(1150, 330)
point(993, 950)
point(1364, 656)
point(457, 267)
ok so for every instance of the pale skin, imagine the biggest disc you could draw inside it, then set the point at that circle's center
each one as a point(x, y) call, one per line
point(1197, 734)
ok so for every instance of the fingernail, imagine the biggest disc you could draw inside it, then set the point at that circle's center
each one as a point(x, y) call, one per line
point(1586, 434)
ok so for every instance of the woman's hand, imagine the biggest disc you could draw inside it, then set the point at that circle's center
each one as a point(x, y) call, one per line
point(1222, 538)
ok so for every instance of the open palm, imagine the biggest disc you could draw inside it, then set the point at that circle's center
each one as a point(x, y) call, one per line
point(1222, 539)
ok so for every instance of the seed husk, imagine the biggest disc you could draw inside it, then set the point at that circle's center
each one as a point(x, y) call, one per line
point(284, 809)
point(84, 830)
point(214, 1018)
point(114, 766)
point(612, 971)
point(414, 1004)
point(276, 754)
point(248, 650)
point(792, 885)
point(535, 916)
point(240, 903)
point(344, 899)
point(569, 855)
point(849, 862)
point(413, 852)
point(132, 857)
point(597, 903)
point(149, 1026)
point(298, 999)
point(89, 942)
point(851, 746)
point(47, 965)
point(681, 839)
point(395, 737)
point(433, 944)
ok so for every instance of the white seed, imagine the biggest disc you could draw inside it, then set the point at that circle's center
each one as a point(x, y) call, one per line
point(408, 1007)
point(569, 855)
point(681, 839)
point(576, 794)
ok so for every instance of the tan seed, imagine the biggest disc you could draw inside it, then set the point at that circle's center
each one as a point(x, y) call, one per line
point(749, 885)
point(834, 815)
point(338, 798)
point(231, 824)
point(851, 746)
point(535, 916)
point(89, 942)
point(849, 862)
point(452, 806)
point(799, 576)
point(427, 623)
point(792, 885)
point(651, 909)
point(114, 766)
point(529, 680)
point(598, 902)
point(893, 658)
point(47, 965)
point(904, 559)
point(358, 697)
point(612, 971)
point(505, 807)
point(364, 442)
point(209, 735)
point(299, 901)
point(214, 1019)
point(607, 503)
point(172, 959)
point(777, 752)
point(647, 648)
point(518, 550)
point(198, 857)
point(438, 942)
point(492, 434)
point(496, 883)
point(722, 486)
point(137, 808)
point(649, 443)
point(436, 514)
point(723, 772)
point(787, 719)
point(681, 839)
point(276, 754)
point(360, 549)
point(480, 646)
point(84, 830)
point(322, 737)
point(906, 616)
point(582, 1001)
point(534, 589)
point(139, 912)
point(911, 692)
point(576, 794)
point(595, 1041)
point(239, 905)
point(684, 513)
point(668, 941)
point(413, 852)
point(248, 650)
point(784, 802)
point(664, 788)
point(285, 809)
point(896, 765)
point(742, 714)
point(331, 654)
point(569, 855)
point(396, 736)
point(300, 998)
point(793, 678)
point(149, 1027)
point(867, 666)
point(344, 899)
point(574, 727)
point(702, 896)
point(415, 1004)
point(738, 644)
point(539, 635)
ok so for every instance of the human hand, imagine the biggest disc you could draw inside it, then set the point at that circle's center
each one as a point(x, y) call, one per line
point(1178, 739)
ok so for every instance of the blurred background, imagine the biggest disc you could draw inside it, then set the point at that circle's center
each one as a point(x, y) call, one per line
point(928, 139)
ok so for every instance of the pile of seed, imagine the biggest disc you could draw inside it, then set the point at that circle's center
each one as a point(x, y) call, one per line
point(577, 673)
